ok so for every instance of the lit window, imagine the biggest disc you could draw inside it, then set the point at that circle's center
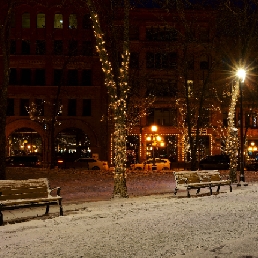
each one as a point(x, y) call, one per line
point(190, 87)
point(58, 21)
point(26, 20)
point(72, 21)
point(41, 22)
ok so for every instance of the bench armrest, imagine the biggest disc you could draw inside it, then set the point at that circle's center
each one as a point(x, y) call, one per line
point(58, 190)
point(182, 179)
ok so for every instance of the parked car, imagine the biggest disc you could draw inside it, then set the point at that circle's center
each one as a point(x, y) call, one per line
point(220, 162)
point(162, 164)
point(252, 165)
point(91, 164)
point(23, 161)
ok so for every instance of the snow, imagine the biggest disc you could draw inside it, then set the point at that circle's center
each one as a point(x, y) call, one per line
point(159, 225)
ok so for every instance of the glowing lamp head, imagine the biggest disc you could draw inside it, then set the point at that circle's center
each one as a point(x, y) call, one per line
point(241, 73)
point(158, 138)
point(154, 128)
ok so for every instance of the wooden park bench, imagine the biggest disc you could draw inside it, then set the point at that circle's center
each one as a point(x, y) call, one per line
point(189, 180)
point(199, 179)
point(15, 194)
point(215, 179)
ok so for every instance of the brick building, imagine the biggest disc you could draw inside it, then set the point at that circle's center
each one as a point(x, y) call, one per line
point(53, 48)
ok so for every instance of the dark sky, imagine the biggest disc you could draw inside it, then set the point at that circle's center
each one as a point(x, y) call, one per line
point(165, 3)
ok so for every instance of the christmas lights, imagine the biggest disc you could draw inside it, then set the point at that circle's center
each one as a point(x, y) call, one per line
point(232, 143)
point(117, 89)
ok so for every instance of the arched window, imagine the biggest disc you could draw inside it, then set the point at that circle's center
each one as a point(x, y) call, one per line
point(13, 21)
point(58, 21)
point(41, 22)
point(26, 20)
point(72, 21)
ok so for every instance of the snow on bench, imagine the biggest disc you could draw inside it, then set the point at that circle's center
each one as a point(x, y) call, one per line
point(15, 194)
point(199, 179)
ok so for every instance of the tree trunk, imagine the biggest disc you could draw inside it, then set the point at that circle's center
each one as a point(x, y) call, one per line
point(5, 45)
point(120, 189)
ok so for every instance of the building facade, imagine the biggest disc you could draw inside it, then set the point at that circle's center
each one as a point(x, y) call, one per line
point(54, 67)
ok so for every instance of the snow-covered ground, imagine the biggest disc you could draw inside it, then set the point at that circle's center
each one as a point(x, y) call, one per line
point(223, 225)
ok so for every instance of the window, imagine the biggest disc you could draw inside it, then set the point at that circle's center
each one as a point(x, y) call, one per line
point(204, 34)
point(72, 77)
point(161, 87)
point(73, 47)
point(204, 63)
point(58, 47)
point(13, 76)
point(24, 105)
point(40, 77)
point(57, 77)
point(40, 47)
point(13, 21)
point(86, 21)
point(134, 60)
point(72, 21)
point(87, 48)
point(25, 77)
point(25, 20)
point(161, 60)
point(86, 105)
point(119, 32)
point(25, 47)
point(190, 88)
point(251, 120)
point(10, 107)
point(162, 116)
point(39, 103)
point(206, 115)
point(134, 32)
point(41, 22)
point(190, 63)
point(12, 47)
point(225, 119)
point(86, 78)
point(58, 21)
point(71, 107)
point(161, 33)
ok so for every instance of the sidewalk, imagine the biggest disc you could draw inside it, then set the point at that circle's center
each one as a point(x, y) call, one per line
point(223, 225)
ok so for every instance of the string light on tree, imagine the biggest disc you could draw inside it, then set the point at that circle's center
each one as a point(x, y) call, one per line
point(117, 90)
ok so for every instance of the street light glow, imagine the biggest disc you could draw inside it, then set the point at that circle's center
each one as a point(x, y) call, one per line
point(158, 138)
point(154, 128)
point(241, 73)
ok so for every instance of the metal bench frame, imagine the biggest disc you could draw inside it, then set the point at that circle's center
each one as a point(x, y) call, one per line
point(16, 194)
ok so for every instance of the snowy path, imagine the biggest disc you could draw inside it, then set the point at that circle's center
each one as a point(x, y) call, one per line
point(224, 225)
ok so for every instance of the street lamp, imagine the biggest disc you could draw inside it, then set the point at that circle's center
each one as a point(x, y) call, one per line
point(155, 141)
point(241, 73)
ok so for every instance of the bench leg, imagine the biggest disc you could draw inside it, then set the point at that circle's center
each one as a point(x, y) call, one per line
point(1, 219)
point(210, 190)
point(230, 188)
point(188, 193)
point(47, 209)
point(175, 192)
point(198, 190)
point(61, 208)
point(218, 189)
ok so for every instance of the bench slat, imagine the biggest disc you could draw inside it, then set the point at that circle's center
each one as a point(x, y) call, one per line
point(15, 194)
point(22, 201)
point(20, 195)
point(199, 179)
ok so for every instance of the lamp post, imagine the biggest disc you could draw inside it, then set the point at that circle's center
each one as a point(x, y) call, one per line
point(155, 140)
point(241, 73)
